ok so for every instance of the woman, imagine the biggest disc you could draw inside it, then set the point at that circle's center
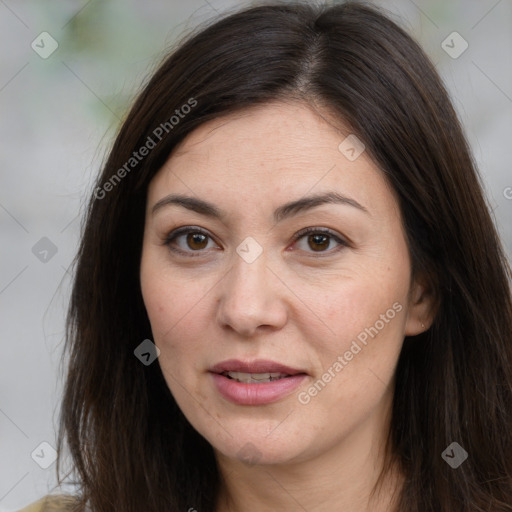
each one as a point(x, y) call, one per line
point(289, 292)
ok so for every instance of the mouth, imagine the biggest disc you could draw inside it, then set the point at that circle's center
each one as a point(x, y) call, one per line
point(254, 378)
point(257, 382)
point(254, 372)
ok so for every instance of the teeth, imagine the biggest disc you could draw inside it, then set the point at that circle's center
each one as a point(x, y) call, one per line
point(254, 378)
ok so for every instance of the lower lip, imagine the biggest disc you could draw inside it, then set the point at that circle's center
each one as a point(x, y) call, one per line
point(256, 394)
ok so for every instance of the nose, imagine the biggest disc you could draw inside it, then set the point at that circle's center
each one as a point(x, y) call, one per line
point(251, 297)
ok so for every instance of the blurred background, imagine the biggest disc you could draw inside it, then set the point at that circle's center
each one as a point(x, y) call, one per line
point(69, 70)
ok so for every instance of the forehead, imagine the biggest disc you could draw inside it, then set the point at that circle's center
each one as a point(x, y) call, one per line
point(276, 134)
point(279, 149)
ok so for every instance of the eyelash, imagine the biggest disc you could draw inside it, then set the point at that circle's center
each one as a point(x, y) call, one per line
point(302, 233)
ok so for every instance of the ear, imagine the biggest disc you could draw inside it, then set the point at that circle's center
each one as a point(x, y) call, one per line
point(422, 308)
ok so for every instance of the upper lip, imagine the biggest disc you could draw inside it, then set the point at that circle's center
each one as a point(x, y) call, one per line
point(256, 366)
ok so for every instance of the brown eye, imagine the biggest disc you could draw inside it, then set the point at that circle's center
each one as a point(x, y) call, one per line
point(319, 240)
point(194, 240)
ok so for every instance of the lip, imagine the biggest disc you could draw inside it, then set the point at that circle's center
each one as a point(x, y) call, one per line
point(255, 394)
point(256, 366)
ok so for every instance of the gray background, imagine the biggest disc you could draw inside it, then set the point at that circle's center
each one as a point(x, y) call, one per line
point(58, 117)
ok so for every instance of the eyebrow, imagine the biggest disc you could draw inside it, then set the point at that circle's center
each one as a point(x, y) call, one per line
point(283, 212)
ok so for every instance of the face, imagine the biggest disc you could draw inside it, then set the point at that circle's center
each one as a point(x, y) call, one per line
point(238, 293)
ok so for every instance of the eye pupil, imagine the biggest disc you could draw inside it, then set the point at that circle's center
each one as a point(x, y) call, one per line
point(192, 238)
point(317, 240)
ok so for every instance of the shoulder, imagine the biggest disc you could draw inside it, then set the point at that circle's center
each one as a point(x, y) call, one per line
point(52, 503)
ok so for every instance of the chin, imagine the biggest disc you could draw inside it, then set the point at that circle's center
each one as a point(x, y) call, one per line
point(258, 448)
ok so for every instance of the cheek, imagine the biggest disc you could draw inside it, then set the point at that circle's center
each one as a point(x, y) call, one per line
point(175, 304)
point(355, 366)
point(165, 304)
point(366, 318)
point(358, 303)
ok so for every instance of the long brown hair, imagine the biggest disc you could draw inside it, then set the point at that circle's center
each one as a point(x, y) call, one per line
point(132, 448)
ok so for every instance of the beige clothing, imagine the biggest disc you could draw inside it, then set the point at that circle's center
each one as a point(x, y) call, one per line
point(49, 503)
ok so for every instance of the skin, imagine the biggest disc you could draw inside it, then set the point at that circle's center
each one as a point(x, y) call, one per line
point(301, 303)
